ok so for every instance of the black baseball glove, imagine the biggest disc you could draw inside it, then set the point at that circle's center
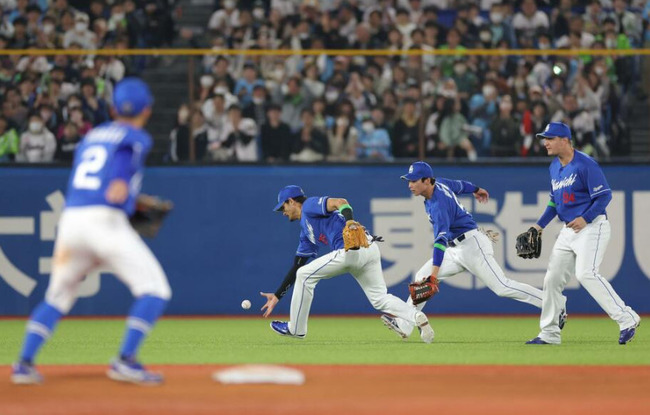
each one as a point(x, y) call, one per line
point(529, 243)
point(150, 211)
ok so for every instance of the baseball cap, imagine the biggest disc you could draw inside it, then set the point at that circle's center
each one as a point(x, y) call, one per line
point(556, 129)
point(418, 170)
point(289, 192)
point(131, 97)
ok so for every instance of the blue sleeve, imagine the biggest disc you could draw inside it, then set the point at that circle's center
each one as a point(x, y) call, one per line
point(548, 215)
point(441, 229)
point(123, 166)
point(596, 182)
point(459, 187)
point(316, 206)
point(598, 206)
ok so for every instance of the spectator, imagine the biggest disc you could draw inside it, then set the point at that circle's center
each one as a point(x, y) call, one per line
point(92, 104)
point(9, 141)
point(294, 99)
point(66, 145)
point(190, 125)
point(80, 35)
point(451, 128)
point(256, 108)
point(225, 19)
point(240, 135)
point(37, 144)
point(533, 122)
point(215, 114)
point(506, 139)
point(21, 38)
point(374, 143)
point(581, 123)
point(529, 21)
point(405, 139)
point(244, 86)
point(276, 136)
point(342, 140)
point(309, 144)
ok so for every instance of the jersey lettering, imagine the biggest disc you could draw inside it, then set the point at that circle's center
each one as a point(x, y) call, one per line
point(92, 161)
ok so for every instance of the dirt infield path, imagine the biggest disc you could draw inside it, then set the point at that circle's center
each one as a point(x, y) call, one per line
point(341, 390)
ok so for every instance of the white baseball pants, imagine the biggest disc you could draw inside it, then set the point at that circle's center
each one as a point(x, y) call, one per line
point(581, 254)
point(365, 266)
point(100, 236)
point(476, 255)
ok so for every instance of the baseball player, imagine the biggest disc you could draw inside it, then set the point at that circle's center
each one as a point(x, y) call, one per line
point(94, 231)
point(458, 245)
point(328, 221)
point(579, 196)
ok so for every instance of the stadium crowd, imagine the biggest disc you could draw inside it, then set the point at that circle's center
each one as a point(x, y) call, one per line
point(50, 102)
point(329, 107)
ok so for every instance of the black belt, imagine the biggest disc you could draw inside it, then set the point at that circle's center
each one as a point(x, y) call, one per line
point(456, 241)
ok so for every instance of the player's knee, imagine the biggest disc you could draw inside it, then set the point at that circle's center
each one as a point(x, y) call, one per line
point(379, 302)
point(302, 275)
point(585, 276)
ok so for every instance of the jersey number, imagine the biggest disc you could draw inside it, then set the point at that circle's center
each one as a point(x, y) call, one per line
point(92, 161)
point(568, 197)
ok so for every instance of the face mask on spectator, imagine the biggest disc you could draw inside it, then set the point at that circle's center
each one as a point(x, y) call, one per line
point(81, 26)
point(207, 81)
point(183, 115)
point(46, 115)
point(488, 90)
point(544, 46)
point(229, 4)
point(599, 70)
point(48, 29)
point(485, 36)
point(368, 127)
point(284, 88)
point(118, 16)
point(331, 95)
point(460, 69)
point(496, 18)
point(258, 100)
point(35, 126)
point(258, 13)
point(342, 122)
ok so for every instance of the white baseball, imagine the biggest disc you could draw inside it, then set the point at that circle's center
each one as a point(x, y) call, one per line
point(245, 304)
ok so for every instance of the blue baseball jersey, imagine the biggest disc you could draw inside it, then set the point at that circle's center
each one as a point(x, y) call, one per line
point(574, 186)
point(447, 216)
point(318, 227)
point(112, 150)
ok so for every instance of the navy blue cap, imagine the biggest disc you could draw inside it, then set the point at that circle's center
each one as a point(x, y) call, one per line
point(418, 170)
point(556, 129)
point(289, 192)
point(131, 97)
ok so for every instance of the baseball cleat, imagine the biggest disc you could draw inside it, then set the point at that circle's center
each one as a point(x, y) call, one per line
point(537, 340)
point(426, 332)
point(393, 326)
point(627, 335)
point(25, 374)
point(282, 328)
point(133, 372)
point(563, 318)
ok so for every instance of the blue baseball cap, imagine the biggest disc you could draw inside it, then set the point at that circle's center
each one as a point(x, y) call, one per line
point(287, 193)
point(131, 97)
point(556, 129)
point(418, 170)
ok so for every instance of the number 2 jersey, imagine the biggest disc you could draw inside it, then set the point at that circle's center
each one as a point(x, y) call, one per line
point(112, 150)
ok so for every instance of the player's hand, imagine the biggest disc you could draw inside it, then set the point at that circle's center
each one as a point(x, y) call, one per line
point(117, 192)
point(271, 301)
point(577, 224)
point(482, 195)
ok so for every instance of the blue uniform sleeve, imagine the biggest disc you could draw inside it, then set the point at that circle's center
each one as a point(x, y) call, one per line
point(599, 191)
point(316, 206)
point(305, 247)
point(459, 187)
point(441, 230)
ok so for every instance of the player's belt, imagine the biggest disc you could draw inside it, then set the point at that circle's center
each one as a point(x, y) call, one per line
point(461, 238)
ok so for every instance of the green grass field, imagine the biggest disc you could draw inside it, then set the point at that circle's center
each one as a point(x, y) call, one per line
point(586, 341)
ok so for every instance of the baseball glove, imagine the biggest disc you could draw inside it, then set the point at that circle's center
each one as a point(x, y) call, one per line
point(529, 243)
point(422, 291)
point(354, 236)
point(150, 211)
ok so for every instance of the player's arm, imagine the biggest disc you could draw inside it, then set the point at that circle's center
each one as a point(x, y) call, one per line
point(273, 298)
point(461, 187)
point(600, 194)
point(341, 205)
point(441, 242)
point(118, 189)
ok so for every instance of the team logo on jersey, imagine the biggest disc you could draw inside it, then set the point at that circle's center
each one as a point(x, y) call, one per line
point(323, 239)
point(566, 182)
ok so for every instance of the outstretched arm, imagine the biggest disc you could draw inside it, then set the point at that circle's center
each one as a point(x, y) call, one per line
point(273, 298)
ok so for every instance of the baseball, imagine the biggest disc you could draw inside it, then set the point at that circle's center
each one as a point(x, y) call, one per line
point(245, 304)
